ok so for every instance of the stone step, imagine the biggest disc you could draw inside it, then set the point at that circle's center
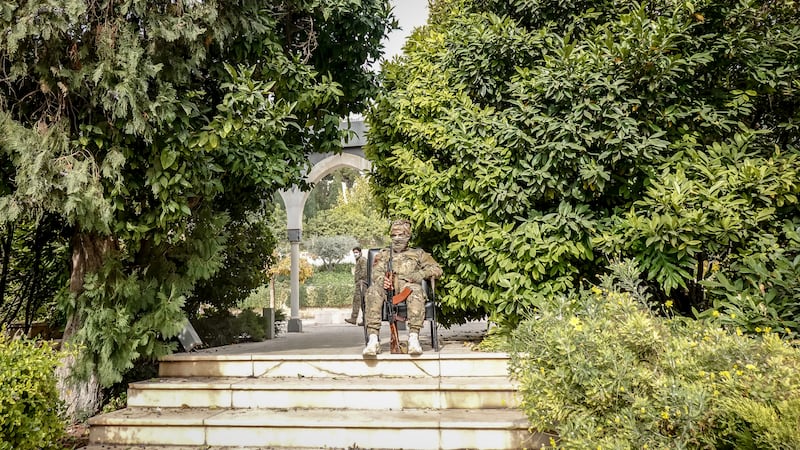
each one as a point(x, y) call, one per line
point(328, 392)
point(384, 365)
point(314, 428)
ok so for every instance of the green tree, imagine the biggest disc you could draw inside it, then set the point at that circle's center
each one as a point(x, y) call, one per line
point(539, 139)
point(33, 262)
point(150, 127)
point(331, 249)
point(247, 258)
point(357, 215)
point(327, 191)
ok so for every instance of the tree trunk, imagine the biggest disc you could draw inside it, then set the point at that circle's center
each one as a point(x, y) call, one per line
point(82, 397)
point(7, 246)
point(272, 292)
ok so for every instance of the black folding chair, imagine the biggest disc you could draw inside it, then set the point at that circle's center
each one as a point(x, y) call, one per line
point(429, 289)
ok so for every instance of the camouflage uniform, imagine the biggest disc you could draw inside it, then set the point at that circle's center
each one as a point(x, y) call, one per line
point(360, 279)
point(412, 265)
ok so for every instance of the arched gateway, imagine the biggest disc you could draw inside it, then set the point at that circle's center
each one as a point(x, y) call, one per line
point(295, 200)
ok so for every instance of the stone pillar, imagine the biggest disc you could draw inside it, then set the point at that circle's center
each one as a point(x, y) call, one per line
point(294, 199)
point(295, 325)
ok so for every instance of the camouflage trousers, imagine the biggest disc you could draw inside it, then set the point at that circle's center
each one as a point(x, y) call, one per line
point(358, 295)
point(375, 297)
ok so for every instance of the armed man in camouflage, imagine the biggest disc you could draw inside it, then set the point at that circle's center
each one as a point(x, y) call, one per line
point(360, 276)
point(411, 266)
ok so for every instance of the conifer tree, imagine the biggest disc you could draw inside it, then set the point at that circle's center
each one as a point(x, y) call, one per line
point(148, 125)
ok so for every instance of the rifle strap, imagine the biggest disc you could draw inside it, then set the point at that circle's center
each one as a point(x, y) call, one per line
point(402, 296)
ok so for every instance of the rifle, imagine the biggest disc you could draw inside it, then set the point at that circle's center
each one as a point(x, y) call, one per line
point(394, 343)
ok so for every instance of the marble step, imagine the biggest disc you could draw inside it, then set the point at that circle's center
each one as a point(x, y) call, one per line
point(431, 364)
point(314, 428)
point(327, 392)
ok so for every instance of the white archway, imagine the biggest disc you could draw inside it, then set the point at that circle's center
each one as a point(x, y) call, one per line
point(295, 200)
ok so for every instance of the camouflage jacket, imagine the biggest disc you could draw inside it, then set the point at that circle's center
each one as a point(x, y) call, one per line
point(411, 266)
point(360, 273)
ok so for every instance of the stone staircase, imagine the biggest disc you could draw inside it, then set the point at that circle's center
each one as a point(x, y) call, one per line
point(262, 401)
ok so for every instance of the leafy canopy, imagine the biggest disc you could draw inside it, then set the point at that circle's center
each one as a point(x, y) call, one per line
point(150, 126)
point(355, 214)
point(532, 141)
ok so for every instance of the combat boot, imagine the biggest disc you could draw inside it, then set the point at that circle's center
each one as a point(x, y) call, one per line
point(373, 346)
point(413, 344)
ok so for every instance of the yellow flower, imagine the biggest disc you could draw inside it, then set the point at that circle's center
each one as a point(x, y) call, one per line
point(596, 290)
point(725, 373)
point(733, 315)
point(750, 367)
point(668, 303)
point(576, 323)
point(715, 313)
point(665, 415)
point(758, 329)
point(738, 331)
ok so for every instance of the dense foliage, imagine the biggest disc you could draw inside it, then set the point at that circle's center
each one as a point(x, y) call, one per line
point(217, 327)
point(600, 370)
point(329, 289)
point(327, 191)
point(33, 270)
point(355, 214)
point(30, 410)
point(149, 128)
point(532, 141)
point(247, 257)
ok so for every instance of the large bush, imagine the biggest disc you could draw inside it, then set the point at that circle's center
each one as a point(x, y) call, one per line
point(30, 409)
point(218, 327)
point(530, 141)
point(601, 371)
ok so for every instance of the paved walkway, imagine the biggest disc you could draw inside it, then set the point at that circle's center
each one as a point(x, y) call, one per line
point(326, 333)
